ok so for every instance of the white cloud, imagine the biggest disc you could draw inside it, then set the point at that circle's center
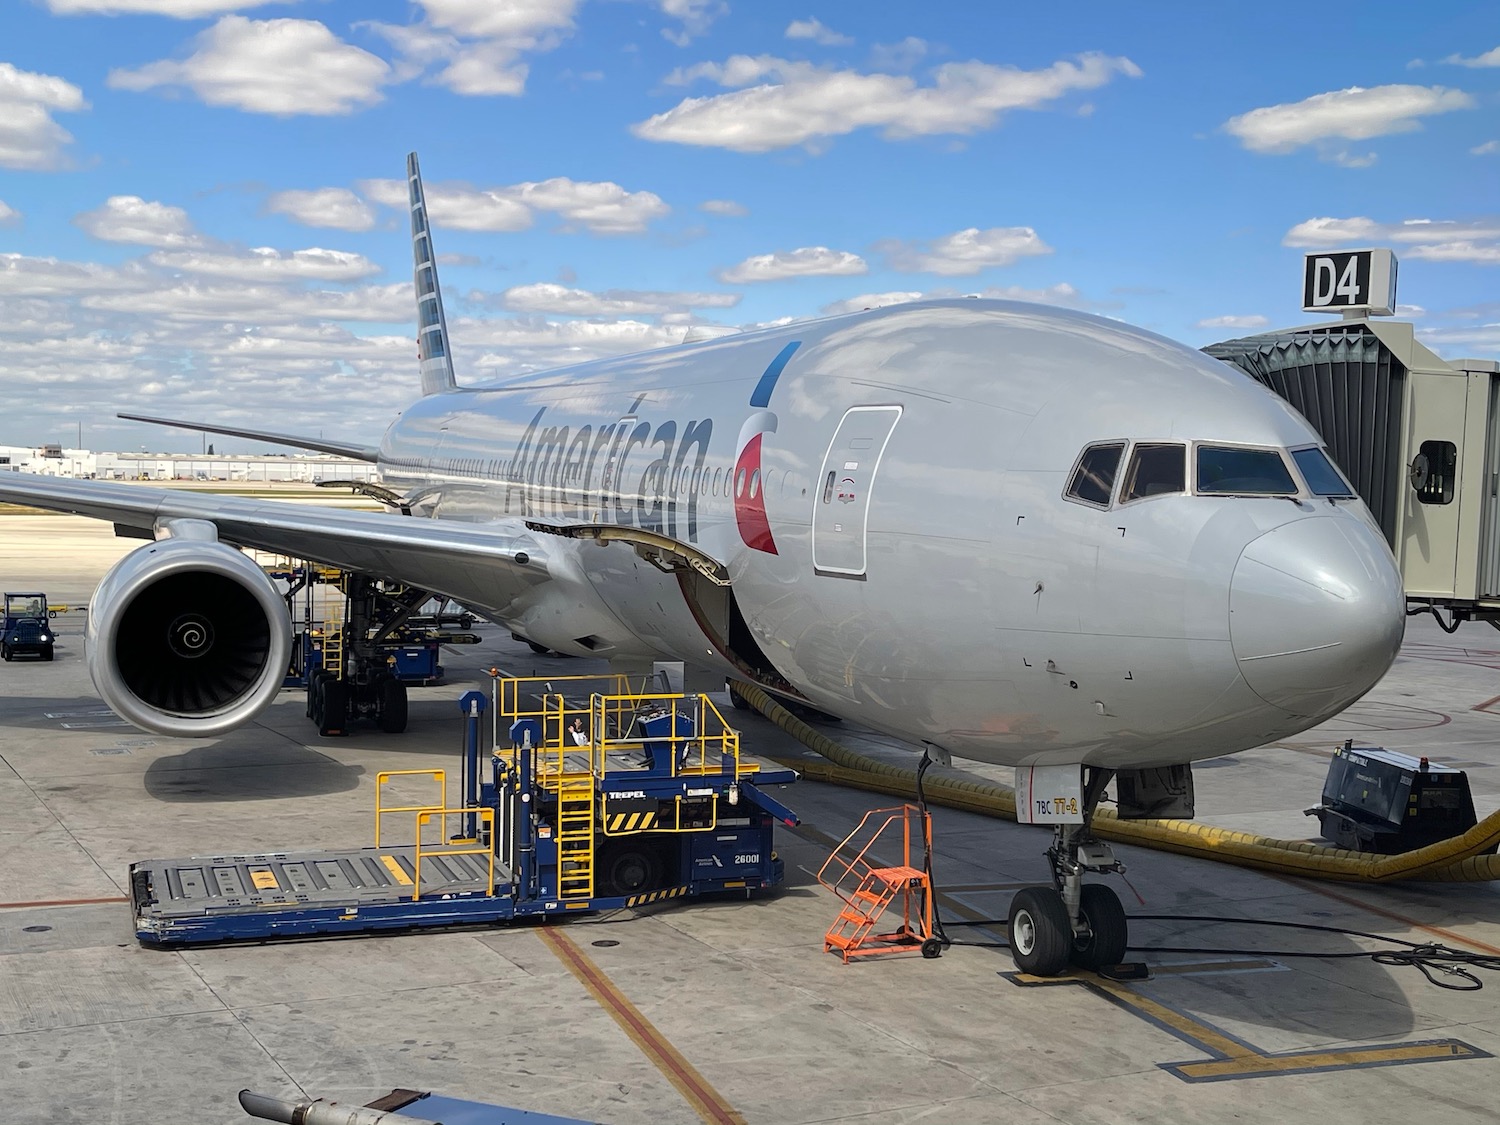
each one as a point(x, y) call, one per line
point(546, 297)
point(1332, 232)
point(724, 207)
point(1469, 340)
point(808, 261)
point(798, 103)
point(1489, 58)
point(456, 206)
point(870, 301)
point(813, 29)
point(899, 57)
point(1489, 148)
point(338, 208)
point(129, 218)
point(510, 346)
point(1355, 114)
point(694, 15)
point(29, 138)
point(477, 46)
point(260, 304)
point(1458, 251)
point(22, 276)
point(178, 9)
point(1062, 294)
point(8, 214)
point(266, 264)
point(965, 251)
point(487, 19)
point(1233, 322)
point(1431, 239)
point(1412, 312)
point(601, 207)
point(282, 67)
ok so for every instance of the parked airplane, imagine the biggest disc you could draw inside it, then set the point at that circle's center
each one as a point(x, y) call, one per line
point(1022, 535)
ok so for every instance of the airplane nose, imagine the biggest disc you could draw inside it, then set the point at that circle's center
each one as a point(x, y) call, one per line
point(1316, 614)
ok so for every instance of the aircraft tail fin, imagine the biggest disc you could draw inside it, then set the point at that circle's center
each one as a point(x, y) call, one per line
point(433, 353)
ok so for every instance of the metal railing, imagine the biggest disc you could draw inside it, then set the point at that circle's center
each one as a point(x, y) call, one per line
point(553, 701)
point(481, 846)
point(381, 778)
point(850, 864)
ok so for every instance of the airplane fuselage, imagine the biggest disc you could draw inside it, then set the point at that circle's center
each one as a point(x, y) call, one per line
point(887, 492)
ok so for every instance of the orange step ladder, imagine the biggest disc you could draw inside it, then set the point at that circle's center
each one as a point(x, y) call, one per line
point(868, 889)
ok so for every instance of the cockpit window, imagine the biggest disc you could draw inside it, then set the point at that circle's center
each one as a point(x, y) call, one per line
point(1094, 479)
point(1155, 470)
point(1244, 472)
point(1318, 471)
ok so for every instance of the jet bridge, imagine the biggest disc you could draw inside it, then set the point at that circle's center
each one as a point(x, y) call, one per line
point(1417, 436)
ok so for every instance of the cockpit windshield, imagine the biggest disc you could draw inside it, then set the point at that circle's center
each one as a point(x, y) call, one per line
point(1243, 472)
point(1319, 473)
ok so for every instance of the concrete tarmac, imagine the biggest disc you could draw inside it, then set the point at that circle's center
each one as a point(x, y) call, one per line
point(718, 1011)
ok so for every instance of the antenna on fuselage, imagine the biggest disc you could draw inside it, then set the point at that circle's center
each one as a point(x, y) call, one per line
point(434, 356)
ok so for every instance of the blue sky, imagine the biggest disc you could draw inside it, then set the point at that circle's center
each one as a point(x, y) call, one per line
point(195, 214)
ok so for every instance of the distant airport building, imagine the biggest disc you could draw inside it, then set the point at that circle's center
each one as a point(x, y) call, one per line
point(57, 461)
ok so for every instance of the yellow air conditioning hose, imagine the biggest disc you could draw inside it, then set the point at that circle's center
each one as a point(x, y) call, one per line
point(1460, 859)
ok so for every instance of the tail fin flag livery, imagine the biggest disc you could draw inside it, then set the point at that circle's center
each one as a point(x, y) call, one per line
point(433, 353)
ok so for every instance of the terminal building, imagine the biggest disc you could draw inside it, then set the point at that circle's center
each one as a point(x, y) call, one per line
point(59, 461)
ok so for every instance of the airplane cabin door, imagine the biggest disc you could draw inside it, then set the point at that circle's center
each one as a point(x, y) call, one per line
point(841, 506)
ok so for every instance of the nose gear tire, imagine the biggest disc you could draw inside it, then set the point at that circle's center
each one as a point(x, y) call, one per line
point(1108, 929)
point(1041, 936)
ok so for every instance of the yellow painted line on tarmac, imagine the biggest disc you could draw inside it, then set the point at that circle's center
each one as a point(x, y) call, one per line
point(1232, 1057)
point(707, 1102)
point(1305, 1062)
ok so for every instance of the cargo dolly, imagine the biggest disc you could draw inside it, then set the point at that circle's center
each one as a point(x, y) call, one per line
point(655, 803)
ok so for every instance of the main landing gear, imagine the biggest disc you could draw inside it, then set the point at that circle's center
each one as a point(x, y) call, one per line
point(1070, 922)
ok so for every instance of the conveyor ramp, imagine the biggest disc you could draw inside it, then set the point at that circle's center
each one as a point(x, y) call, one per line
point(287, 893)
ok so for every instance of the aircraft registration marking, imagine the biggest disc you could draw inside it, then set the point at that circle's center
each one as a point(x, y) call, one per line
point(1232, 1057)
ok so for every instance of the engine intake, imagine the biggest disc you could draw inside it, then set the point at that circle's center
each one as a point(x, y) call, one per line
point(187, 637)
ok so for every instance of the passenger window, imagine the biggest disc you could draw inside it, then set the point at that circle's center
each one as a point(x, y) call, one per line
point(1433, 472)
point(1156, 470)
point(1243, 472)
point(1318, 472)
point(1094, 479)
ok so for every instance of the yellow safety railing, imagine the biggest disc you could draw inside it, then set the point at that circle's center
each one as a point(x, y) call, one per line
point(381, 778)
point(555, 702)
point(446, 848)
point(712, 748)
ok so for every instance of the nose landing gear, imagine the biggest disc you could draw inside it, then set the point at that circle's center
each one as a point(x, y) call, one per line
point(1070, 922)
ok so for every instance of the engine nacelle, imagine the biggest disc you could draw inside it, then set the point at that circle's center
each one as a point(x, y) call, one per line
point(188, 637)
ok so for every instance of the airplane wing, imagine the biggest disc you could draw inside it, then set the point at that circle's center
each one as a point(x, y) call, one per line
point(480, 565)
point(342, 449)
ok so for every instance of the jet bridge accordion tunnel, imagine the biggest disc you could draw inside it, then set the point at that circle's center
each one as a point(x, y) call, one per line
point(1417, 436)
point(1467, 858)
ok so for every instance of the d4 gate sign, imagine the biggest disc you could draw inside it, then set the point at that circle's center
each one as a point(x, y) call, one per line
point(1350, 279)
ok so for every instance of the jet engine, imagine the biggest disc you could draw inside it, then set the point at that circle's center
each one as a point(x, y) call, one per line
point(187, 637)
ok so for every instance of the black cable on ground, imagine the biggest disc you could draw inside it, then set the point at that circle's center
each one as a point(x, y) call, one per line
point(1429, 957)
point(932, 888)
